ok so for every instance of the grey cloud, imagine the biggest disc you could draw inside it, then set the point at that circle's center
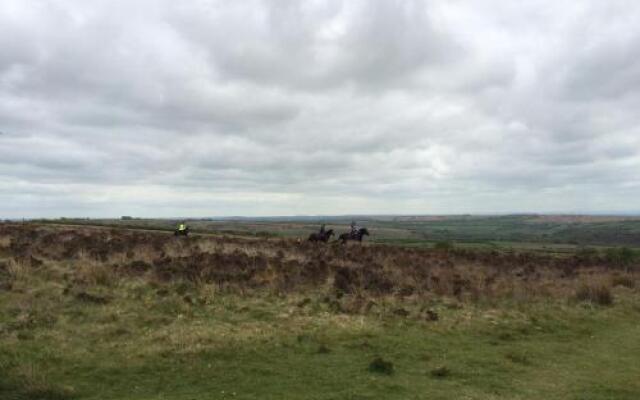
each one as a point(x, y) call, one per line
point(164, 108)
point(322, 46)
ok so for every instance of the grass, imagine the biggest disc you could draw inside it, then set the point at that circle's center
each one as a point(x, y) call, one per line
point(145, 346)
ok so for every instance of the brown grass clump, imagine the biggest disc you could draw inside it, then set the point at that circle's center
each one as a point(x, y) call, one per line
point(12, 271)
point(596, 293)
point(95, 274)
point(625, 280)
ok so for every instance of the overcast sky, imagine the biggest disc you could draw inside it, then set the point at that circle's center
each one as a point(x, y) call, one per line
point(210, 108)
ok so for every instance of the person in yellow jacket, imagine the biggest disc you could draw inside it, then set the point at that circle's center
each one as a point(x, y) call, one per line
point(182, 229)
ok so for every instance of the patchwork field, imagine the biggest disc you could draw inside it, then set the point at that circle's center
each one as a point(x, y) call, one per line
point(110, 313)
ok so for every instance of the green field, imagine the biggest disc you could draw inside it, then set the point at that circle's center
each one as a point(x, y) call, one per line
point(145, 346)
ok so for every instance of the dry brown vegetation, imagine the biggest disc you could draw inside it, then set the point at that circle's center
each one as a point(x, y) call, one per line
point(103, 257)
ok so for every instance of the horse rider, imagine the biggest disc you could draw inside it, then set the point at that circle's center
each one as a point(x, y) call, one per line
point(354, 229)
point(322, 231)
point(182, 226)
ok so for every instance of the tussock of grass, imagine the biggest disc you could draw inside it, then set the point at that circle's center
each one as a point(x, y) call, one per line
point(625, 280)
point(95, 274)
point(595, 293)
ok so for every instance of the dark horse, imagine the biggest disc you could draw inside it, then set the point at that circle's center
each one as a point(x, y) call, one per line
point(354, 236)
point(320, 237)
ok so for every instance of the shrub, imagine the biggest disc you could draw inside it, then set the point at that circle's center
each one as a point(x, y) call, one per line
point(595, 293)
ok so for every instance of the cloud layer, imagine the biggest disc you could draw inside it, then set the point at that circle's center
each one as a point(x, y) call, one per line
point(165, 108)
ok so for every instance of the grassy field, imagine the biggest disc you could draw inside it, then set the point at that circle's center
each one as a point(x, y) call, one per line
point(143, 346)
point(520, 232)
point(90, 313)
